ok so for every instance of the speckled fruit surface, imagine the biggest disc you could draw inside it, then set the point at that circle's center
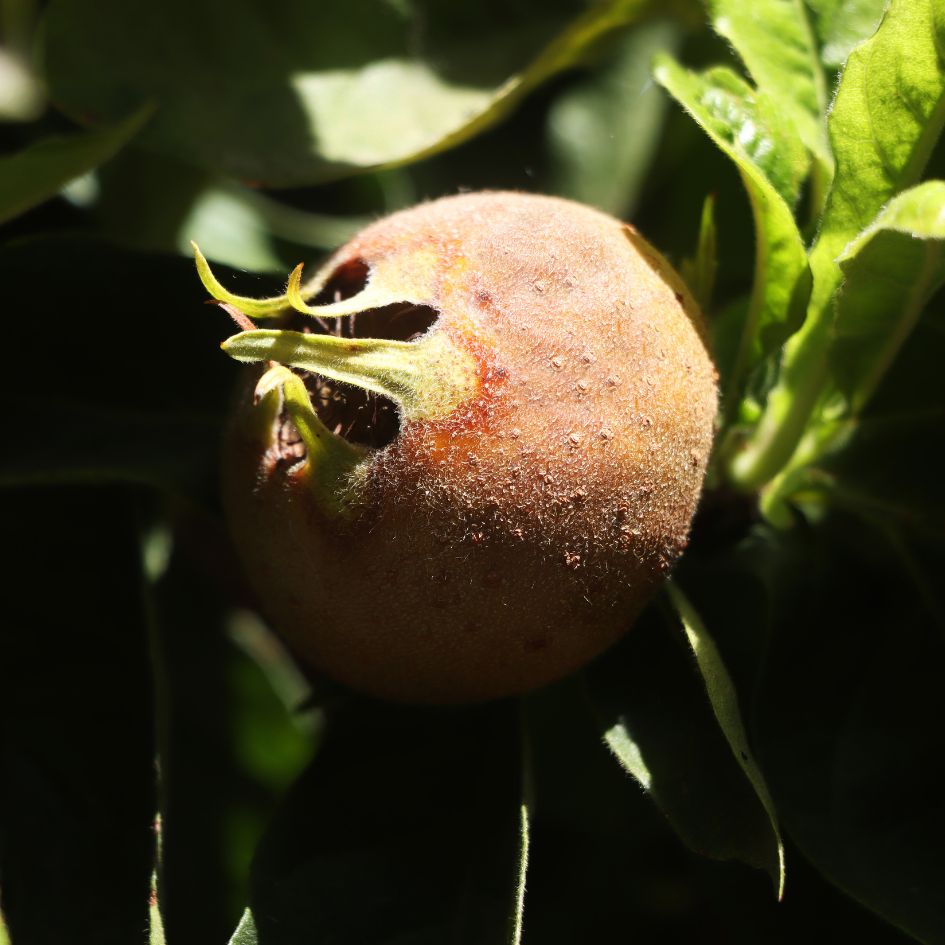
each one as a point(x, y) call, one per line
point(501, 546)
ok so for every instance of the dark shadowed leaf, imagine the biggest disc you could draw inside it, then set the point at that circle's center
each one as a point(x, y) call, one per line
point(849, 716)
point(43, 169)
point(405, 829)
point(827, 644)
point(725, 706)
point(77, 796)
point(231, 732)
point(661, 726)
point(312, 91)
point(886, 464)
point(147, 385)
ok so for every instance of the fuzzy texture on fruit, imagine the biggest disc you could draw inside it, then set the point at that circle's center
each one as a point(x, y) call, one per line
point(499, 547)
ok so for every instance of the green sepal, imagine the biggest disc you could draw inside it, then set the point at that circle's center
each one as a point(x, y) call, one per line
point(373, 295)
point(255, 308)
point(330, 459)
point(428, 378)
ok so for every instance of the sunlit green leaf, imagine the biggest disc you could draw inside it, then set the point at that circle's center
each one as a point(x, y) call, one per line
point(890, 271)
point(245, 933)
point(885, 120)
point(313, 91)
point(517, 913)
point(43, 169)
point(887, 115)
point(774, 39)
point(743, 122)
point(516, 919)
point(156, 924)
point(603, 131)
point(771, 162)
point(841, 24)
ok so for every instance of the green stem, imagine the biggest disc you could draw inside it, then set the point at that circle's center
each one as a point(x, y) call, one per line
point(795, 397)
point(789, 409)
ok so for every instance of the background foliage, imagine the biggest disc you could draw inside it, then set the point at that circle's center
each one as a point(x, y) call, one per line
point(168, 772)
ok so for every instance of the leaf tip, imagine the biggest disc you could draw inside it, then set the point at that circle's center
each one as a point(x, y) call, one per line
point(293, 289)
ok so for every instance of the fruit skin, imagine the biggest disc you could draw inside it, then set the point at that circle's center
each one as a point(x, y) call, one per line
point(503, 546)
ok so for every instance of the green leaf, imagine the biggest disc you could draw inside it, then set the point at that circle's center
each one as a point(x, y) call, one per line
point(313, 91)
point(774, 39)
point(245, 933)
point(699, 272)
point(657, 720)
point(603, 131)
point(78, 798)
point(424, 844)
point(885, 120)
point(724, 701)
point(160, 205)
point(848, 720)
point(43, 169)
point(21, 94)
point(842, 24)
point(745, 125)
point(155, 919)
point(110, 406)
point(229, 743)
point(516, 920)
point(517, 913)
point(885, 464)
point(890, 271)
point(235, 226)
point(744, 122)
point(95, 445)
point(156, 925)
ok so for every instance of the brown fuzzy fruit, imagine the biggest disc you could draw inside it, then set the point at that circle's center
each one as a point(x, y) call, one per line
point(555, 422)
